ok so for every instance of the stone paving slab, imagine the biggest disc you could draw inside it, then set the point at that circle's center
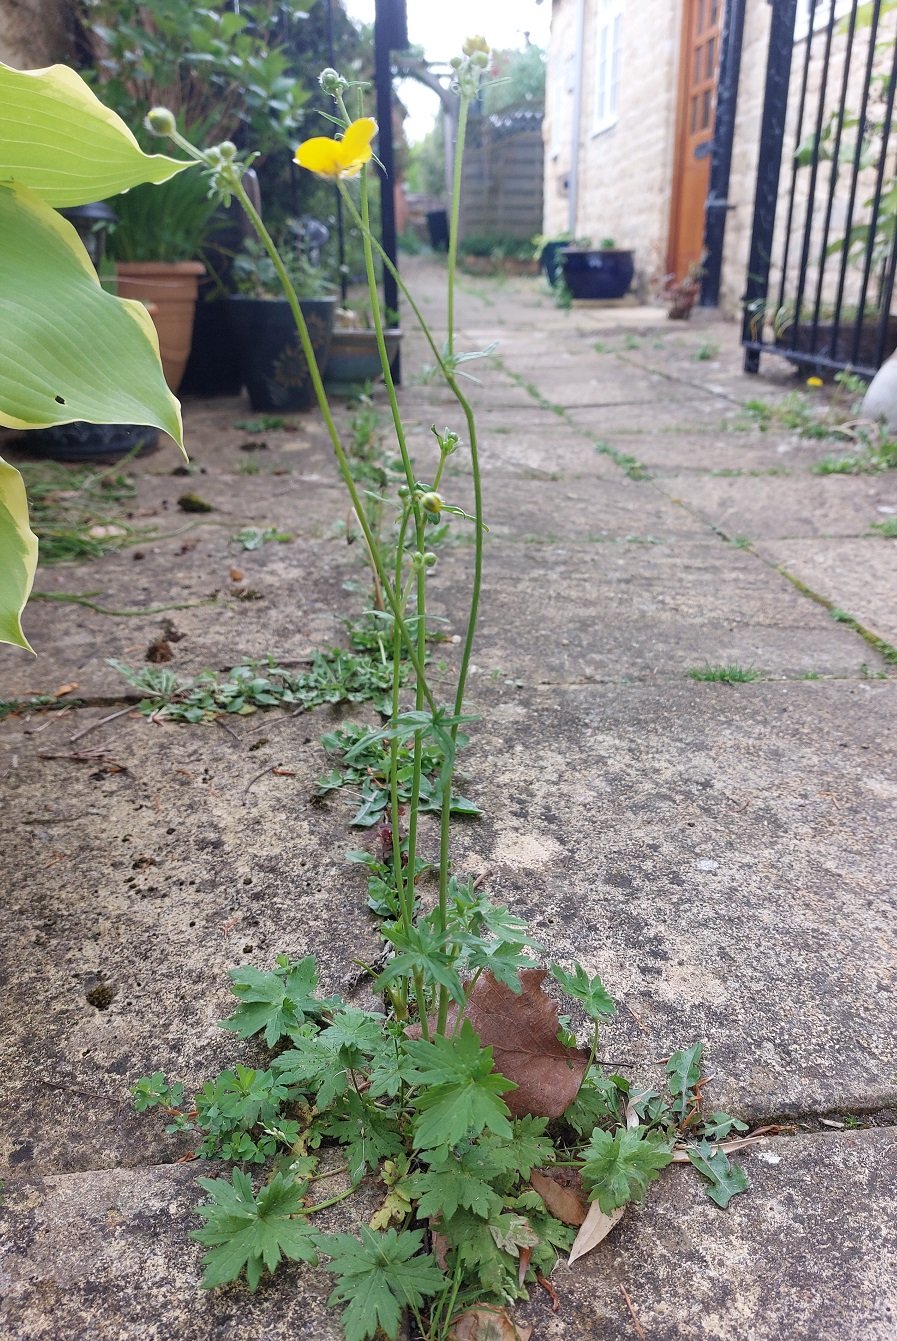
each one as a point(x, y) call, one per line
point(788, 507)
point(556, 613)
point(719, 854)
point(104, 1256)
point(807, 1255)
point(288, 602)
point(150, 883)
point(858, 576)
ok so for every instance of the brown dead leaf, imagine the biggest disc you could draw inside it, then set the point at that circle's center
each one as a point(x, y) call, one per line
point(523, 1264)
point(488, 1323)
point(545, 1284)
point(522, 1031)
point(65, 689)
point(595, 1227)
point(565, 1203)
point(236, 574)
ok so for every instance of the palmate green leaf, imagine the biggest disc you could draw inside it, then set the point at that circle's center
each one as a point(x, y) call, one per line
point(589, 992)
point(278, 1002)
point(367, 1134)
point(68, 350)
point(726, 1179)
point(57, 138)
point(379, 1276)
point(248, 1232)
point(448, 1184)
point(461, 1094)
point(619, 1168)
point(18, 555)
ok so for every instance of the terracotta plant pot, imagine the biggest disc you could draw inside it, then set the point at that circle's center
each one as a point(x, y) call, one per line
point(171, 289)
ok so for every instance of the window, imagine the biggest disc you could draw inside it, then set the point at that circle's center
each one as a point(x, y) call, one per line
point(817, 13)
point(607, 63)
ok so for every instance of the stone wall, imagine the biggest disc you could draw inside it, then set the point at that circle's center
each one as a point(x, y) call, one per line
point(33, 33)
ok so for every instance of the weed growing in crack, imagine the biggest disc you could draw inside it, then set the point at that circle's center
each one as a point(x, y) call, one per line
point(887, 528)
point(720, 674)
point(444, 1098)
point(80, 513)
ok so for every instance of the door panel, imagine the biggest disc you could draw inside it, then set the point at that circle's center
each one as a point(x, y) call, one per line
point(698, 66)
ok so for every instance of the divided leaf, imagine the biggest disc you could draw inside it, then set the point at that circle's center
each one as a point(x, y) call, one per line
point(277, 1002)
point(591, 993)
point(379, 1276)
point(461, 1090)
point(243, 1231)
point(619, 1168)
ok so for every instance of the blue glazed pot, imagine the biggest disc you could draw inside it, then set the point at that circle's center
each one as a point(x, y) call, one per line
point(598, 274)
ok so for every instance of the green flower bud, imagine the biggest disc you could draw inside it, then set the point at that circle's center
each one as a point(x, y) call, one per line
point(332, 82)
point(456, 62)
point(479, 60)
point(417, 561)
point(160, 121)
point(431, 502)
point(228, 150)
point(404, 491)
point(430, 559)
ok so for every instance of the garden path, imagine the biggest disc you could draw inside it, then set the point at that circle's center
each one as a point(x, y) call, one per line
point(722, 853)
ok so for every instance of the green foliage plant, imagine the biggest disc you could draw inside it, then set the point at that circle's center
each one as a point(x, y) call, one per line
point(443, 1099)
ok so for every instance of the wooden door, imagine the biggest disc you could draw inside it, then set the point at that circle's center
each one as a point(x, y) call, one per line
point(698, 65)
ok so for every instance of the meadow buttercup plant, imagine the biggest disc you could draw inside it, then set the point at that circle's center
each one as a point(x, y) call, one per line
point(465, 1093)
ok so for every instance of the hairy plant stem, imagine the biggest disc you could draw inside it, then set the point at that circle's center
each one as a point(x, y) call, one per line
point(454, 220)
point(445, 367)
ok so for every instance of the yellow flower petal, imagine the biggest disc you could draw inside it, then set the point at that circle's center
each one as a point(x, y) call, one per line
point(814, 381)
point(339, 158)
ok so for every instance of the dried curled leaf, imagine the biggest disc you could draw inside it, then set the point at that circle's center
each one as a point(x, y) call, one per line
point(595, 1227)
point(488, 1323)
point(522, 1031)
point(567, 1204)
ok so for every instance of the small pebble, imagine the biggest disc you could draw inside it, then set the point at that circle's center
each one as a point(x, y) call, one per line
point(705, 864)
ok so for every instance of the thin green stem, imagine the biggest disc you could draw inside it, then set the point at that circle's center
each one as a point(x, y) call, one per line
point(454, 222)
point(406, 906)
point(592, 1051)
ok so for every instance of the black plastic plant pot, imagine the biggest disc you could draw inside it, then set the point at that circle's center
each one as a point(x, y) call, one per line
point(273, 368)
point(213, 368)
point(598, 274)
point(92, 442)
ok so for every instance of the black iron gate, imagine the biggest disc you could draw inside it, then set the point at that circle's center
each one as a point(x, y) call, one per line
point(823, 255)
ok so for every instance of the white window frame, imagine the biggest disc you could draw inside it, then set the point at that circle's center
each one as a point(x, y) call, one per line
point(820, 11)
point(607, 43)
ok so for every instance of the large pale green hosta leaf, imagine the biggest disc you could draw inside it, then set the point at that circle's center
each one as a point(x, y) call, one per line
point(18, 555)
point(68, 350)
point(58, 138)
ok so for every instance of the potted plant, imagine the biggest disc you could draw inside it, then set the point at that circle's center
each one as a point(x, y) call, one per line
point(354, 356)
point(598, 274)
point(155, 242)
point(273, 368)
point(547, 249)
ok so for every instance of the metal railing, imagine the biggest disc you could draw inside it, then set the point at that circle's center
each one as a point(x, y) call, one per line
point(823, 256)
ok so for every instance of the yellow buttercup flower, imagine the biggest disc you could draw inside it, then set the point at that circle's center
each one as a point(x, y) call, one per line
point(339, 158)
point(814, 381)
